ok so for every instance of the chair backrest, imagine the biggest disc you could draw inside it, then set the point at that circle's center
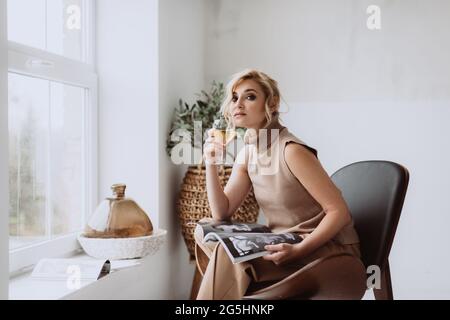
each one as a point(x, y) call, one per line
point(374, 192)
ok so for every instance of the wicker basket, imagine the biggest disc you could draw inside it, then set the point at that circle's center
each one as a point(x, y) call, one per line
point(193, 203)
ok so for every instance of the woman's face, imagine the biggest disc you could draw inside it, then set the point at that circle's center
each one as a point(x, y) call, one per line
point(248, 105)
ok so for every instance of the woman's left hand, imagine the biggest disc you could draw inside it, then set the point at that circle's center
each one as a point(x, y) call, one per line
point(281, 253)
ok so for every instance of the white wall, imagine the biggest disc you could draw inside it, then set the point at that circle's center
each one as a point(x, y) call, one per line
point(149, 54)
point(4, 193)
point(128, 97)
point(357, 94)
point(127, 64)
point(181, 63)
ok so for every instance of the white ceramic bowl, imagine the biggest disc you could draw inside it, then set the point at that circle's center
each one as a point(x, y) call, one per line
point(123, 248)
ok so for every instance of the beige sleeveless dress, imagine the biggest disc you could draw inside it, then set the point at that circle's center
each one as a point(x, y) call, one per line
point(287, 207)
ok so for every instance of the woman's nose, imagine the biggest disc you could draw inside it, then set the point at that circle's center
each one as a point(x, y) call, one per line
point(240, 103)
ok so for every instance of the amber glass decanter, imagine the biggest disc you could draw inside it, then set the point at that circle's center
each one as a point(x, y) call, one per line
point(118, 217)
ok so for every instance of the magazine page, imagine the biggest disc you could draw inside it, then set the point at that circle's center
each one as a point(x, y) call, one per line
point(247, 246)
point(61, 269)
point(224, 227)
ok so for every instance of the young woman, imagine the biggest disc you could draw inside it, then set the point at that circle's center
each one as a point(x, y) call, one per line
point(295, 194)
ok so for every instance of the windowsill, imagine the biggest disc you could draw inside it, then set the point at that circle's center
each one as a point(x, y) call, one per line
point(24, 287)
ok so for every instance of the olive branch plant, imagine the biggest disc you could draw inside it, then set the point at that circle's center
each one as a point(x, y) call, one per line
point(206, 109)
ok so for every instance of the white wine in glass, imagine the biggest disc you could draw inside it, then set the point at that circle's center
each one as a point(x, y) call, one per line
point(223, 134)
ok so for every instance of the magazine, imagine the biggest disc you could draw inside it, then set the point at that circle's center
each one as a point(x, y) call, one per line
point(62, 269)
point(243, 241)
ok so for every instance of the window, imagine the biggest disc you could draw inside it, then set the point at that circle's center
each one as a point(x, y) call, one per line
point(56, 26)
point(52, 91)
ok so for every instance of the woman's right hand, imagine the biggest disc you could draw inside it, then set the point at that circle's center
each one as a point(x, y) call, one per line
point(213, 149)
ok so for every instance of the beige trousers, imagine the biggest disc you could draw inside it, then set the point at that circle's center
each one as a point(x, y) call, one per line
point(223, 280)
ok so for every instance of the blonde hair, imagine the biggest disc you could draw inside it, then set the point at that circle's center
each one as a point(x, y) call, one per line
point(268, 85)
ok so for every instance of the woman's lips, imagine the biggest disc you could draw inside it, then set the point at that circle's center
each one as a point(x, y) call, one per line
point(238, 115)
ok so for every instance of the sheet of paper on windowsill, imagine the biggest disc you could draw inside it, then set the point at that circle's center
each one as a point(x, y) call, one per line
point(62, 269)
point(87, 269)
point(123, 264)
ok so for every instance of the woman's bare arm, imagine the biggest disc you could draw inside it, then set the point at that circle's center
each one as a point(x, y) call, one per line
point(308, 170)
point(224, 202)
point(238, 185)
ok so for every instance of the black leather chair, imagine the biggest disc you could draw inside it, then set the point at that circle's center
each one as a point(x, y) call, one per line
point(375, 192)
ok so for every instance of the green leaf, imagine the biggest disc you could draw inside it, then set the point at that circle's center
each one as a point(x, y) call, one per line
point(206, 109)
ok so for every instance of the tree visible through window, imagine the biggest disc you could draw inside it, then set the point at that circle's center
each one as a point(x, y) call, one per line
point(48, 133)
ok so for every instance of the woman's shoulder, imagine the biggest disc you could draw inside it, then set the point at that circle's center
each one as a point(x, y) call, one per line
point(287, 137)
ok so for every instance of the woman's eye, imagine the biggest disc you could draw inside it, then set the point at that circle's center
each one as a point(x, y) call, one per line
point(250, 97)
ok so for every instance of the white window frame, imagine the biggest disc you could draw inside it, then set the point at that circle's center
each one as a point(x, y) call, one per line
point(34, 62)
